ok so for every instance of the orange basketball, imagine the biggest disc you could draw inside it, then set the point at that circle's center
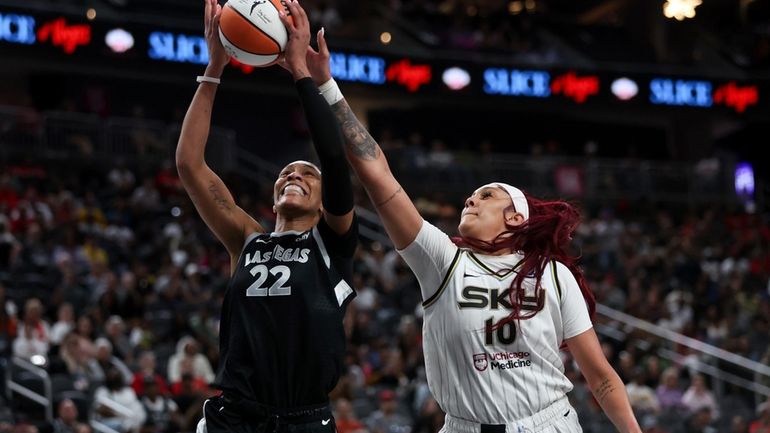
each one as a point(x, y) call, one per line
point(252, 31)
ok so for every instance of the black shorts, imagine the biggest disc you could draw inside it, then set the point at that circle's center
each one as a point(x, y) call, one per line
point(223, 415)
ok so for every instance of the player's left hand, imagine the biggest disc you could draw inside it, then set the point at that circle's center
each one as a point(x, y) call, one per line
point(318, 61)
point(294, 57)
point(218, 57)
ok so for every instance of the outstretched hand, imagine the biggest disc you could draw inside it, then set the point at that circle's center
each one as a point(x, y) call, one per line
point(218, 57)
point(318, 61)
point(298, 26)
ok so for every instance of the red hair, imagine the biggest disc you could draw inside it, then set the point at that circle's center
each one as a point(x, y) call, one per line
point(545, 236)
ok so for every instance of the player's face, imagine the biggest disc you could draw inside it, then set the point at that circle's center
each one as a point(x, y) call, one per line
point(485, 214)
point(298, 188)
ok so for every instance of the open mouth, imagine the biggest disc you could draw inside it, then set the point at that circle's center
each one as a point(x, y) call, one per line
point(293, 189)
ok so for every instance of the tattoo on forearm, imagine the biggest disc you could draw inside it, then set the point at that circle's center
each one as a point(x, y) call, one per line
point(604, 389)
point(218, 197)
point(384, 202)
point(357, 138)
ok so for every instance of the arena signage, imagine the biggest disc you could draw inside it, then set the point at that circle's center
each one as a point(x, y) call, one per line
point(66, 36)
point(575, 87)
point(135, 45)
point(693, 93)
point(409, 75)
point(358, 68)
point(736, 97)
point(515, 82)
point(178, 48)
point(17, 29)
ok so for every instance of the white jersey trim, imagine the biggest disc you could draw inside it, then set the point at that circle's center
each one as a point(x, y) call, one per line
point(322, 247)
point(202, 427)
point(250, 238)
point(342, 290)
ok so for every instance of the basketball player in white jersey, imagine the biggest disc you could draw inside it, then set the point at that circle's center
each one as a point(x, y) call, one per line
point(499, 303)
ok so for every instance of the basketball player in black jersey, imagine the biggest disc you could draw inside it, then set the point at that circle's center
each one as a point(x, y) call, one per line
point(281, 334)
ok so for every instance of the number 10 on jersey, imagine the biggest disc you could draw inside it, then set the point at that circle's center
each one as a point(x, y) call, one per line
point(283, 273)
point(506, 334)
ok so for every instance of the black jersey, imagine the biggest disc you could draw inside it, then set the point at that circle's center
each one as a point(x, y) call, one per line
point(282, 342)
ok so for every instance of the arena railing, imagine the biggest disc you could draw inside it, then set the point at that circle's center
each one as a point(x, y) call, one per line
point(68, 136)
point(45, 400)
point(620, 326)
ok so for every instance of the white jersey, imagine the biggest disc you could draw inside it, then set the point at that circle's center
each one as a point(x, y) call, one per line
point(482, 375)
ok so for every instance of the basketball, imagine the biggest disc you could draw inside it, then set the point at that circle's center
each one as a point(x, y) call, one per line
point(252, 32)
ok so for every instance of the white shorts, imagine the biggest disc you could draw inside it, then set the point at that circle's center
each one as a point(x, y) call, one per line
point(560, 417)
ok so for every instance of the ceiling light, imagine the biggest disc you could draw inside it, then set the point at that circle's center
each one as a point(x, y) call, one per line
point(680, 9)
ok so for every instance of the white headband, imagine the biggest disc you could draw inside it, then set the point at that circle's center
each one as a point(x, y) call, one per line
point(517, 197)
point(299, 161)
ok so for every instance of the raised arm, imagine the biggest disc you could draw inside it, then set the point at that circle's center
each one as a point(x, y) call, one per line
point(336, 187)
point(398, 214)
point(209, 194)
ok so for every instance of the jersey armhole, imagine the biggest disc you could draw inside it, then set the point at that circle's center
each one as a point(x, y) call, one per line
point(430, 301)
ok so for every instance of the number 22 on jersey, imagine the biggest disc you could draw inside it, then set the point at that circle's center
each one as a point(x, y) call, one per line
point(261, 272)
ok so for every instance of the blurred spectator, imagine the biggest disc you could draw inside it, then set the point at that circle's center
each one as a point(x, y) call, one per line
point(739, 425)
point(67, 419)
point(700, 421)
point(189, 394)
point(8, 324)
point(146, 197)
point(34, 333)
point(642, 397)
point(698, 397)
point(668, 392)
point(387, 419)
point(9, 246)
point(76, 359)
point(345, 418)
point(116, 405)
point(64, 324)
point(762, 423)
point(108, 362)
point(162, 412)
point(146, 370)
point(115, 332)
point(121, 178)
point(167, 180)
point(9, 198)
point(90, 216)
point(187, 352)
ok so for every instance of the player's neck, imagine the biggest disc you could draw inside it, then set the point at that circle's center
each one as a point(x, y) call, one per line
point(300, 223)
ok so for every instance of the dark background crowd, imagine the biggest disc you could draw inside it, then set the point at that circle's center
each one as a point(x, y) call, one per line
point(111, 285)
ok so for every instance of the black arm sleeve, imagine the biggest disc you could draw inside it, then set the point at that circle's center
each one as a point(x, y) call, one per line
point(337, 191)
